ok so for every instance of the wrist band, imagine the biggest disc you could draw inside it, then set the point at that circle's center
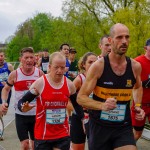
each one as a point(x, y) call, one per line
point(137, 105)
point(9, 84)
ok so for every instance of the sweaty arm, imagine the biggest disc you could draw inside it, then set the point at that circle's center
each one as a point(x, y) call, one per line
point(8, 86)
point(6, 89)
point(93, 74)
point(137, 89)
point(73, 98)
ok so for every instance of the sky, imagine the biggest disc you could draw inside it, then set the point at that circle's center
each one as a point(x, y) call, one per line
point(15, 12)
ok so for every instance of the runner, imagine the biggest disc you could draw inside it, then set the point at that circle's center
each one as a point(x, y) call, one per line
point(44, 61)
point(22, 78)
point(112, 79)
point(5, 70)
point(64, 50)
point(73, 68)
point(104, 46)
point(53, 91)
point(144, 60)
point(78, 135)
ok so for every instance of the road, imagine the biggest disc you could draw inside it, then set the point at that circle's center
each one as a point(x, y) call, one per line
point(11, 141)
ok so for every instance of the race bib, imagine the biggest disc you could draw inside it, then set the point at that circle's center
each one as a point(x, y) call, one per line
point(115, 115)
point(55, 116)
point(45, 66)
point(74, 73)
point(3, 76)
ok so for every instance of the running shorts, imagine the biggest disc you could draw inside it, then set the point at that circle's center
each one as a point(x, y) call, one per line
point(109, 138)
point(25, 126)
point(62, 143)
point(76, 130)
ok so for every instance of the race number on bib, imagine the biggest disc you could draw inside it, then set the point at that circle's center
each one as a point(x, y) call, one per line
point(55, 116)
point(115, 115)
point(45, 66)
point(3, 76)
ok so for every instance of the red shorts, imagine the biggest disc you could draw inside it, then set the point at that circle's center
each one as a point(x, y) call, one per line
point(137, 123)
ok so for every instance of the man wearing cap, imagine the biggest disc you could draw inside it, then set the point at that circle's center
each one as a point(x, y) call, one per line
point(73, 69)
point(144, 60)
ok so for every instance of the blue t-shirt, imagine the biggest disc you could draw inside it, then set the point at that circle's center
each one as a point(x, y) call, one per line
point(67, 65)
point(4, 72)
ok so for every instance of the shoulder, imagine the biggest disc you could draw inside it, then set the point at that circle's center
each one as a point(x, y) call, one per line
point(10, 67)
point(71, 86)
point(78, 80)
point(13, 75)
point(41, 72)
point(135, 63)
point(136, 66)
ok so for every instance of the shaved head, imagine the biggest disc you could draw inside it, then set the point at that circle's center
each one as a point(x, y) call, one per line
point(117, 26)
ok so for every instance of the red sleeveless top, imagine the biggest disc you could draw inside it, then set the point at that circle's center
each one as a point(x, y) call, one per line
point(51, 118)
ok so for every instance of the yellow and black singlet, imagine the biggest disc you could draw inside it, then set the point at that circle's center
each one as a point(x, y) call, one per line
point(110, 85)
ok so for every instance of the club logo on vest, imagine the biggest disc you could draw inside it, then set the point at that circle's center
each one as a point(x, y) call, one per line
point(29, 83)
point(129, 83)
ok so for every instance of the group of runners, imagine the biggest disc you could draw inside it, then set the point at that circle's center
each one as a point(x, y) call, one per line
point(95, 95)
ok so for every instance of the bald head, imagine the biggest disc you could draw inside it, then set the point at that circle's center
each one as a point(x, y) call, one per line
point(56, 55)
point(117, 27)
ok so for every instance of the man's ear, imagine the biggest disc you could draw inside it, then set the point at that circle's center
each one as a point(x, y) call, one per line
point(99, 46)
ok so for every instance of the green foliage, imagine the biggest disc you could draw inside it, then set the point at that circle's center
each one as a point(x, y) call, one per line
point(82, 25)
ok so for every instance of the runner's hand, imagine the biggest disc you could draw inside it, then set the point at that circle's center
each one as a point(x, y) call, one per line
point(109, 104)
point(4, 108)
point(26, 107)
point(140, 114)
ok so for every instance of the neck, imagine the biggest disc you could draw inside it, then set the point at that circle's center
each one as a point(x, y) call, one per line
point(72, 59)
point(118, 59)
point(27, 70)
point(148, 57)
point(54, 79)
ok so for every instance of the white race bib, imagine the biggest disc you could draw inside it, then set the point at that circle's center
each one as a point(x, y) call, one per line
point(55, 116)
point(45, 66)
point(3, 76)
point(115, 115)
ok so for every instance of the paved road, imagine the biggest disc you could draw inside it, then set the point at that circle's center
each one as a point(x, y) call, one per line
point(11, 141)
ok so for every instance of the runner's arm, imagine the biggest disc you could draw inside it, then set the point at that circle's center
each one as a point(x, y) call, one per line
point(73, 99)
point(5, 91)
point(93, 74)
point(137, 91)
point(8, 86)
